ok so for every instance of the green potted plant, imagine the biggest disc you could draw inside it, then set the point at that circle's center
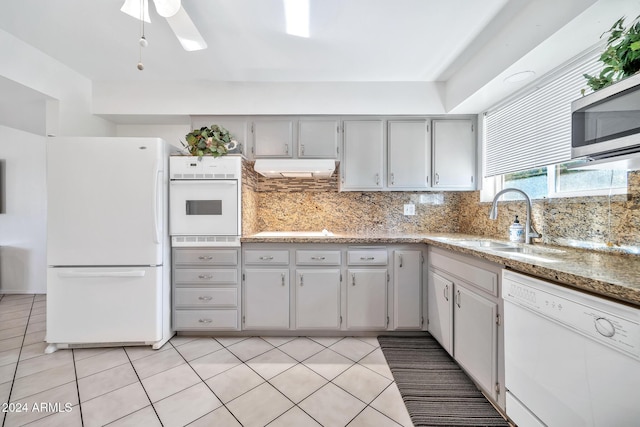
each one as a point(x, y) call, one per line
point(621, 57)
point(213, 141)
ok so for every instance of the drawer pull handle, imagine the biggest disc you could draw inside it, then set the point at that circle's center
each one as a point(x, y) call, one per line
point(318, 258)
point(446, 292)
point(266, 258)
point(205, 298)
point(205, 257)
point(458, 299)
point(205, 321)
point(367, 258)
point(205, 276)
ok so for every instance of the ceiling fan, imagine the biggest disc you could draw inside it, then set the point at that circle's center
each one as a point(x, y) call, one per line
point(178, 19)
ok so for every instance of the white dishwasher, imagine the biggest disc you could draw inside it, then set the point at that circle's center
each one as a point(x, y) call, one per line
point(571, 359)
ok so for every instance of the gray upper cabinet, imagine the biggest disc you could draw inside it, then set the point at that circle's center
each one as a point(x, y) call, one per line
point(318, 138)
point(408, 154)
point(363, 166)
point(272, 137)
point(454, 154)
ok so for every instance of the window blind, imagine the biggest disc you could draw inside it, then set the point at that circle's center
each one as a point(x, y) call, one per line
point(534, 130)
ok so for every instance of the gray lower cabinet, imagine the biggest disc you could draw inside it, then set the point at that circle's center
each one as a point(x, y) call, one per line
point(317, 304)
point(464, 307)
point(206, 289)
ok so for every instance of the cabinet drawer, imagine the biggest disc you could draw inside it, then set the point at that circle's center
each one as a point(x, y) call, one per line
point(205, 319)
point(367, 257)
point(266, 257)
point(206, 297)
point(481, 278)
point(195, 257)
point(205, 275)
point(318, 257)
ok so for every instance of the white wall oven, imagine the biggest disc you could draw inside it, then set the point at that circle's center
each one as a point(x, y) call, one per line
point(205, 201)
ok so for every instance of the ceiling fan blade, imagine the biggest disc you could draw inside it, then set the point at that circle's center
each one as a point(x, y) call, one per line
point(186, 31)
point(132, 8)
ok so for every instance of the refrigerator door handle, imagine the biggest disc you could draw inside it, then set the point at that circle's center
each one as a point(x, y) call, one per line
point(97, 274)
point(156, 208)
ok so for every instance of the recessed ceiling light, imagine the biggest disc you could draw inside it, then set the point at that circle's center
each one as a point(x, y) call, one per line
point(520, 76)
point(296, 13)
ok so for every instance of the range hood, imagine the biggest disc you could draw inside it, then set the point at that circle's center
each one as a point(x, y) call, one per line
point(295, 168)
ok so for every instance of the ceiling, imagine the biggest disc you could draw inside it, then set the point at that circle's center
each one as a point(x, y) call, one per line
point(466, 45)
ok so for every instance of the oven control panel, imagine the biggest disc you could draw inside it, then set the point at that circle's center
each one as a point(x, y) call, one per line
point(206, 167)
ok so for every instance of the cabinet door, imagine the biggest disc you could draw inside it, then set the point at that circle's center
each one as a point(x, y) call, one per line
point(409, 148)
point(439, 302)
point(272, 138)
point(475, 337)
point(318, 138)
point(454, 154)
point(367, 298)
point(362, 165)
point(318, 299)
point(266, 299)
point(407, 285)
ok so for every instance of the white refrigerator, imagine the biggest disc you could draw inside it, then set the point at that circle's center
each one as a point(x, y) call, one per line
point(108, 255)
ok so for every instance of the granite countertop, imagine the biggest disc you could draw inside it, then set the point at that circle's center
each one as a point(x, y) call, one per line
point(610, 275)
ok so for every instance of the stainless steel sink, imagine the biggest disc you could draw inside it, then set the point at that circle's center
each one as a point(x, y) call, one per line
point(482, 243)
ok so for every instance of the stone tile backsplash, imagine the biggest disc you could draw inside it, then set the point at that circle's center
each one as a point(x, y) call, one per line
point(308, 205)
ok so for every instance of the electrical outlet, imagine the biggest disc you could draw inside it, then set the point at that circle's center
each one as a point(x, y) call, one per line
point(409, 209)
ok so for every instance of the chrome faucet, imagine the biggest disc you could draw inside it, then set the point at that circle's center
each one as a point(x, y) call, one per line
point(528, 227)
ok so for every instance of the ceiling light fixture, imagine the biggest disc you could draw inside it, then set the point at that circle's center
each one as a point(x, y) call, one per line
point(519, 76)
point(167, 8)
point(296, 13)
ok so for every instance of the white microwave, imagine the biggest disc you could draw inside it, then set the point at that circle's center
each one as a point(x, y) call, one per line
point(606, 123)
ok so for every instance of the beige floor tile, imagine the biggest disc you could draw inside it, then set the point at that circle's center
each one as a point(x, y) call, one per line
point(179, 340)
point(214, 363)
point(372, 341)
point(301, 348)
point(41, 381)
point(271, 363)
point(9, 357)
point(158, 362)
point(5, 389)
point(298, 382)
point(32, 350)
point(7, 372)
point(12, 332)
point(10, 315)
point(186, 406)
point(377, 363)
point(234, 382)
point(326, 341)
point(249, 348)
point(171, 381)
point(390, 404)
point(352, 348)
point(328, 363)
point(227, 341)
point(145, 417)
point(44, 362)
point(363, 383)
point(294, 417)
point(370, 417)
point(20, 322)
point(198, 348)
point(38, 311)
point(34, 318)
point(114, 405)
point(11, 343)
point(57, 397)
point(71, 418)
point(101, 362)
point(84, 353)
point(106, 381)
point(35, 337)
point(259, 406)
point(36, 326)
point(40, 297)
point(16, 306)
point(278, 341)
point(220, 417)
point(140, 352)
point(332, 406)
point(14, 298)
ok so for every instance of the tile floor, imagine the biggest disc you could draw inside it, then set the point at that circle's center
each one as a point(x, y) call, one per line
point(195, 381)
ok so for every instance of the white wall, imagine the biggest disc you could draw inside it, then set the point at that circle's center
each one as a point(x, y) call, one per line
point(173, 134)
point(23, 225)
